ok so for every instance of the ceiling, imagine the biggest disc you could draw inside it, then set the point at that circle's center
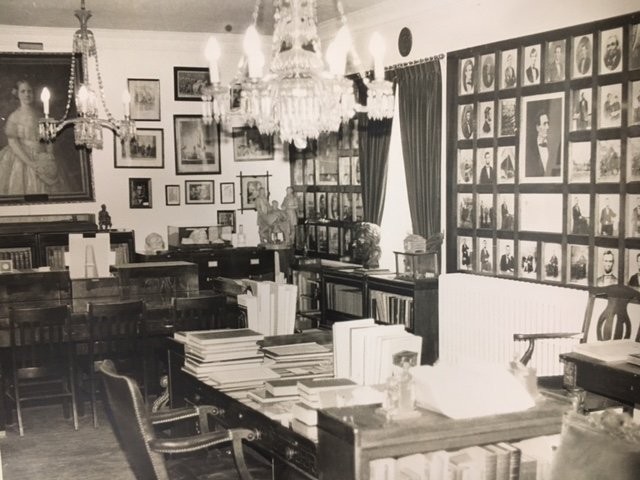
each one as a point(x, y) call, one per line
point(213, 16)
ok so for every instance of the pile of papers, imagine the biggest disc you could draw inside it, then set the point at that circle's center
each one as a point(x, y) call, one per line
point(300, 360)
point(269, 307)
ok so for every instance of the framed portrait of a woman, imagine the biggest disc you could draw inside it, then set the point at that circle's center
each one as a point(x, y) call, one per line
point(32, 171)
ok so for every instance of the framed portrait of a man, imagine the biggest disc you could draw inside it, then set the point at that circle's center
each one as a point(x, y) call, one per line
point(611, 51)
point(253, 188)
point(634, 103)
point(555, 66)
point(582, 64)
point(551, 261)
point(466, 118)
point(465, 210)
point(506, 257)
point(634, 47)
point(485, 211)
point(578, 264)
point(486, 116)
point(57, 171)
point(581, 107)
point(528, 259)
point(608, 161)
point(632, 278)
point(580, 217)
point(608, 214)
point(197, 146)
point(485, 256)
point(467, 76)
point(509, 72)
point(606, 271)
point(465, 166)
point(465, 253)
point(506, 215)
point(633, 159)
point(531, 65)
point(140, 193)
point(485, 166)
point(541, 138)
point(487, 77)
point(610, 111)
point(633, 215)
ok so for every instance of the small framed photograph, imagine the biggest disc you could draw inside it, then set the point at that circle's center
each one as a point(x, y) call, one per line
point(309, 171)
point(188, 83)
point(552, 261)
point(633, 217)
point(227, 192)
point(465, 253)
point(633, 159)
point(298, 171)
point(300, 201)
point(608, 211)
point(321, 205)
point(611, 51)
point(140, 193)
point(610, 111)
point(582, 64)
point(633, 267)
point(634, 100)
point(312, 240)
point(507, 117)
point(197, 146)
point(327, 160)
point(487, 72)
point(555, 68)
point(250, 189)
point(506, 205)
point(334, 205)
point(634, 50)
point(334, 240)
point(310, 205)
point(579, 162)
point(145, 98)
point(172, 195)
point(485, 174)
point(144, 150)
point(358, 208)
point(485, 258)
point(528, 255)
point(531, 65)
point(344, 170)
point(355, 170)
point(467, 76)
point(486, 212)
point(486, 117)
point(509, 62)
point(581, 107)
point(345, 245)
point(608, 161)
point(465, 166)
point(580, 218)
point(465, 210)
point(347, 207)
point(606, 271)
point(466, 114)
point(250, 145)
point(541, 139)
point(507, 263)
point(506, 164)
point(227, 218)
point(199, 191)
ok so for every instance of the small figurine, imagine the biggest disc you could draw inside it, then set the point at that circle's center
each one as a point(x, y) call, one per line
point(104, 219)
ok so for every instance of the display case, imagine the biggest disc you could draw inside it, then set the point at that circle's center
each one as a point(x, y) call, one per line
point(210, 236)
point(414, 266)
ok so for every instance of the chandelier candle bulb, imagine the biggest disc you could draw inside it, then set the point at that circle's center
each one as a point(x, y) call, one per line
point(252, 49)
point(45, 96)
point(82, 100)
point(212, 52)
point(377, 48)
point(126, 102)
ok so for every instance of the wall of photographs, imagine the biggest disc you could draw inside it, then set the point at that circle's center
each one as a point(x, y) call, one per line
point(544, 156)
point(326, 179)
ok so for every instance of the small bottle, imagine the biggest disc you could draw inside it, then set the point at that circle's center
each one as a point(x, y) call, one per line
point(241, 238)
point(407, 398)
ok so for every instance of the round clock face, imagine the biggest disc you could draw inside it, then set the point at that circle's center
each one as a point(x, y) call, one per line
point(405, 42)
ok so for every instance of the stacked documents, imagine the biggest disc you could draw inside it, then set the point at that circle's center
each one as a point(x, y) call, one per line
point(300, 360)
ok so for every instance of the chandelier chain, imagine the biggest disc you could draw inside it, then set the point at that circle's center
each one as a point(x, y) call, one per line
point(110, 117)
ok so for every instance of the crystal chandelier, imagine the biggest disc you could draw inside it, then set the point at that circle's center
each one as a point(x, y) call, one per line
point(299, 98)
point(87, 127)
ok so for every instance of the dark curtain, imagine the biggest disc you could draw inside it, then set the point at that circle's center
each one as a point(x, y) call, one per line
point(420, 114)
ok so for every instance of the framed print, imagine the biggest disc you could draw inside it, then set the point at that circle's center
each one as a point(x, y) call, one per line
point(465, 210)
point(528, 255)
point(144, 150)
point(140, 193)
point(334, 240)
point(358, 208)
point(507, 263)
point(65, 173)
point(633, 268)
point(579, 162)
point(580, 218)
point(578, 264)
point(555, 67)
point(606, 260)
point(486, 212)
point(509, 62)
point(506, 164)
point(344, 170)
point(485, 258)
point(347, 207)
point(345, 245)
point(172, 195)
point(323, 241)
point(312, 242)
point(467, 122)
point(486, 115)
point(249, 144)
point(188, 83)
point(611, 51)
point(634, 47)
point(145, 98)
point(633, 159)
point(333, 212)
point(227, 192)
point(552, 261)
point(541, 138)
point(581, 106)
point(633, 215)
point(609, 113)
point(485, 174)
point(532, 65)
point(327, 160)
point(310, 205)
point(506, 205)
point(251, 187)
point(298, 171)
point(468, 76)
point(507, 117)
point(465, 253)
point(582, 63)
point(634, 103)
point(197, 146)
point(487, 72)
point(608, 161)
point(465, 166)
point(309, 171)
point(608, 210)
point(300, 201)
point(355, 170)
point(321, 205)
point(199, 191)
point(540, 212)
point(227, 218)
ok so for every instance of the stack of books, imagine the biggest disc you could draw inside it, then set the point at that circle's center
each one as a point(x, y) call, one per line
point(269, 307)
point(279, 390)
point(300, 360)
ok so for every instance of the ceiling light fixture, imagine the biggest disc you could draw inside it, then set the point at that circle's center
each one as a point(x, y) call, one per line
point(87, 126)
point(299, 98)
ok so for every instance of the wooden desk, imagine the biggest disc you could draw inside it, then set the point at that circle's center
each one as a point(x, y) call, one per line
point(617, 381)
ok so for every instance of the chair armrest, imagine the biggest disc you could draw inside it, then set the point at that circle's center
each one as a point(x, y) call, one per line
point(177, 414)
point(532, 337)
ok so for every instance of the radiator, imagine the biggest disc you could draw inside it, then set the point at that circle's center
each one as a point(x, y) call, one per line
point(479, 315)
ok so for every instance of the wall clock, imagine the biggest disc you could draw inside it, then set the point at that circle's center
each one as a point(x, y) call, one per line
point(405, 41)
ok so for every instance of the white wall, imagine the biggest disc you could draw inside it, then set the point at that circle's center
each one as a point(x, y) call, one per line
point(145, 54)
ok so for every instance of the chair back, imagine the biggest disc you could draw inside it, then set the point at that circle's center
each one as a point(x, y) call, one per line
point(197, 313)
point(131, 423)
point(613, 313)
point(39, 339)
point(115, 327)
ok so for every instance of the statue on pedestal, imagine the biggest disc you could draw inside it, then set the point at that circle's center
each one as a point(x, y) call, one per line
point(290, 205)
point(104, 219)
point(273, 222)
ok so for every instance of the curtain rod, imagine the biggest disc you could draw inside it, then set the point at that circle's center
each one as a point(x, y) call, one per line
point(439, 56)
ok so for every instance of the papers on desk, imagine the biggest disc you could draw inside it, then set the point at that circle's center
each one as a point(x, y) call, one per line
point(608, 351)
point(468, 391)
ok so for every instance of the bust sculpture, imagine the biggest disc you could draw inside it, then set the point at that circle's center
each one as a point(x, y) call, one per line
point(366, 244)
point(153, 243)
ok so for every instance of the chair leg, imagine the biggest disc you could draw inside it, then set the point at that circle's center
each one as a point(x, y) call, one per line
point(92, 387)
point(72, 389)
point(16, 392)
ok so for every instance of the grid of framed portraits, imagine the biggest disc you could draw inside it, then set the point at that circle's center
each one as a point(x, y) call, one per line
point(544, 156)
point(325, 177)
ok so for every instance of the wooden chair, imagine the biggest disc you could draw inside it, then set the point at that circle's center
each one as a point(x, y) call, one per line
point(198, 313)
point(134, 428)
point(42, 358)
point(117, 331)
